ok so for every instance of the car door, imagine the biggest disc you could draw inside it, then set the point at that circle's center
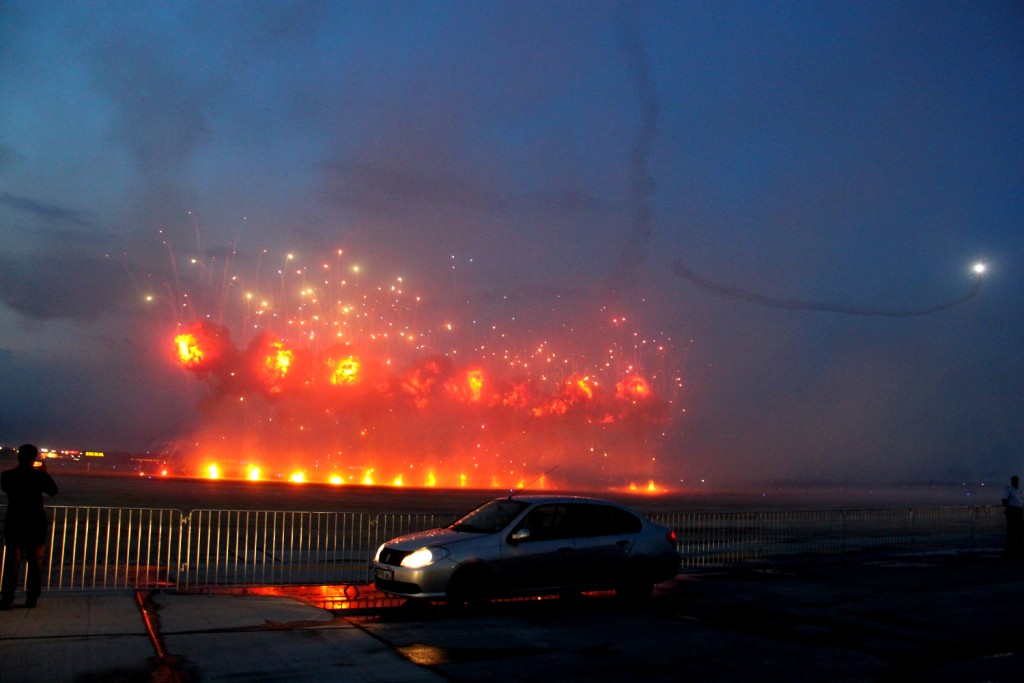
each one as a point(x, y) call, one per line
point(537, 552)
point(604, 536)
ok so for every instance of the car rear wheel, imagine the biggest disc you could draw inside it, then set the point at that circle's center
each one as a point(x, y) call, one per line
point(635, 585)
point(469, 587)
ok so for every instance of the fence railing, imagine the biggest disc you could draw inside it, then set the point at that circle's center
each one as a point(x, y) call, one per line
point(94, 548)
point(99, 548)
point(245, 547)
point(707, 539)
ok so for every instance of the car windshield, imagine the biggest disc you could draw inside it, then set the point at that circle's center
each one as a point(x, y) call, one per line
point(489, 518)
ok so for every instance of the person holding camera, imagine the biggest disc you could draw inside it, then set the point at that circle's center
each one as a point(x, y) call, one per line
point(25, 525)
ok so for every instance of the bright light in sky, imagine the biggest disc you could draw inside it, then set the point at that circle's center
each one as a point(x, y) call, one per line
point(979, 268)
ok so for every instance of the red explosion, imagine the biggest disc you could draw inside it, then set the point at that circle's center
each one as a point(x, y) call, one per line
point(433, 422)
point(346, 412)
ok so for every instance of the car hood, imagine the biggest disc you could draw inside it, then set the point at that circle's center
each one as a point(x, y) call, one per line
point(432, 537)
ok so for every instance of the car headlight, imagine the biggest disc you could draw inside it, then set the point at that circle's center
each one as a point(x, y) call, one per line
point(423, 557)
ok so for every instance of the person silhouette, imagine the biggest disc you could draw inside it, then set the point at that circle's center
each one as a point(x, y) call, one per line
point(1013, 506)
point(25, 525)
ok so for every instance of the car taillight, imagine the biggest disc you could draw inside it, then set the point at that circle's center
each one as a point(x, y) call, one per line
point(671, 537)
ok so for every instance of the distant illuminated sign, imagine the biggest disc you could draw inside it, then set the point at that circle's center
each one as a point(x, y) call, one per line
point(94, 454)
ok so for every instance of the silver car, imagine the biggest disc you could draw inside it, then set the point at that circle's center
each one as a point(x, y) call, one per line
point(530, 545)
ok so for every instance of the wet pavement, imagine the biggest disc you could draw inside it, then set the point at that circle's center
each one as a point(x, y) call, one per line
point(937, 618)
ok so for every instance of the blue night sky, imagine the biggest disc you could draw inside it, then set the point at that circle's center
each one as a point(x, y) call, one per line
point(545, 163)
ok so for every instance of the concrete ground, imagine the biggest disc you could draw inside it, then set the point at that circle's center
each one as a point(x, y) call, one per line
point(937, 618)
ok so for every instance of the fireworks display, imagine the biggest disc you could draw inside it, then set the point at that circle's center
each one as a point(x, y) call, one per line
point(318, 373)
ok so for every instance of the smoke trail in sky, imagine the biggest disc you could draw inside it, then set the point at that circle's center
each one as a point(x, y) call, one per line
point(642, 185)
point(732, 292)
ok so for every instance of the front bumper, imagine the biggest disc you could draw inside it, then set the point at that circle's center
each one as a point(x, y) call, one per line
point(423, 582)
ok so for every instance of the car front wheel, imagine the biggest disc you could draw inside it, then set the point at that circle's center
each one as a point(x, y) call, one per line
point(469, 587)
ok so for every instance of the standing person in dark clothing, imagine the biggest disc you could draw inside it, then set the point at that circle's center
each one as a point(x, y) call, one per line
point(1013, 506)
point(25, 524)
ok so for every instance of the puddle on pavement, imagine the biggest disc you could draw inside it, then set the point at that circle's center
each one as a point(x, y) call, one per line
point(430, 655)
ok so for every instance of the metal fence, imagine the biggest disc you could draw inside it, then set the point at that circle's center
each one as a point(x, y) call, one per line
point(245, 547)
point(99, 548)
point(94, 548)
point(710, 539)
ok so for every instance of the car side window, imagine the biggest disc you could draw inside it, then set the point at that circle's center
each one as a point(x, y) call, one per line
point(546, 522)
point(603, 520)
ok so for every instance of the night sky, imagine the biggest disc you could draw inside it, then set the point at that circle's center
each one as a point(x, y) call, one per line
point(787, 197)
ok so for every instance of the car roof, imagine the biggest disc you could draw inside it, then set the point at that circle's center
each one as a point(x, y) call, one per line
point(555, 498)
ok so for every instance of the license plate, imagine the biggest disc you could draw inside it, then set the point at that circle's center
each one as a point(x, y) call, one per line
point(385, 574)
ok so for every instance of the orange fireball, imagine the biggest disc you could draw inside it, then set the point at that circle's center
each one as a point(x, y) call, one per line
point(189, 352)
point(633, 388)
point(202, 346)
point(278, 361)
point(345, 371)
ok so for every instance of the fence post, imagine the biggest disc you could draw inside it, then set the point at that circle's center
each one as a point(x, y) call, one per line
point(843, 533)
point(182, 574)
point(912, 541)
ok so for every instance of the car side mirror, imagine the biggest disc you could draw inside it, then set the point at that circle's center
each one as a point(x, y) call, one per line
point(520, 536)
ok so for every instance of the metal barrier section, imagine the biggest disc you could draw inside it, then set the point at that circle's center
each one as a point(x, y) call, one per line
point(715, 539)
point(97, 548)
point(254, 548)
point(93, 548)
